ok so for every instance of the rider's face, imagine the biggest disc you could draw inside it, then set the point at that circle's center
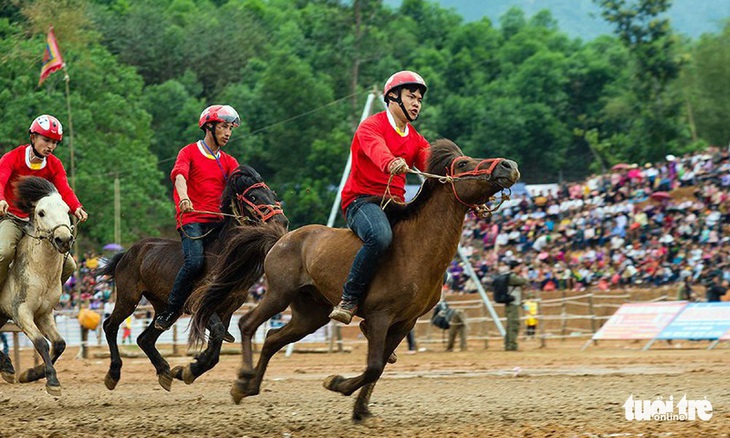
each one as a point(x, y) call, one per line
point(223, 132)
point(44, 145)
point(412, 101)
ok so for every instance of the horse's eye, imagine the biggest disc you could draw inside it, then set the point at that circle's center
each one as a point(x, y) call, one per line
point(462, 164)
point(252, 198)
point(42, 213)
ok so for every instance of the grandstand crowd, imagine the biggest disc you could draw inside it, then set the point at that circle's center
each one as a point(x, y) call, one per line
point(652, 225)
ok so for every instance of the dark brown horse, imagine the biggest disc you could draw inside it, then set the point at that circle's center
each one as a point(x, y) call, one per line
point(307, 268)
point(149, 268)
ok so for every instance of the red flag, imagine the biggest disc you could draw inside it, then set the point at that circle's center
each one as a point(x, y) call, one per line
point(52, 60)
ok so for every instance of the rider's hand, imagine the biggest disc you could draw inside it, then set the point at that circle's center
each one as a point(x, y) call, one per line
point(3, 207)
point(81, 215)
point(398, 166)
point(185, 205)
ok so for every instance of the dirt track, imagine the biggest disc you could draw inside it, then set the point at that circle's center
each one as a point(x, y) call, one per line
point(557, 392)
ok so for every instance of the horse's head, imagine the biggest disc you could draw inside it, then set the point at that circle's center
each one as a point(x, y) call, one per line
point(48, 213)
point(474, 181)
point(247, 195)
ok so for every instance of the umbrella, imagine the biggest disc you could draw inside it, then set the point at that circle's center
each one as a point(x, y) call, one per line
point(621, 166)
point(660, 196)
point(113, 247)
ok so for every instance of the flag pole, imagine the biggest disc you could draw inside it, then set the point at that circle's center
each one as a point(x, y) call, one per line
point(70, 130)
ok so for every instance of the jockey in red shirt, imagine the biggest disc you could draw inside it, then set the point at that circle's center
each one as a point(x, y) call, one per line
point(384, 145)
point(199, 176)
point(35, 159)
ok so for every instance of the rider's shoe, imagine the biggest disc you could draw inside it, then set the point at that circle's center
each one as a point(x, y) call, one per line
point(165, 320)
point(228, 337)
point(344, 311)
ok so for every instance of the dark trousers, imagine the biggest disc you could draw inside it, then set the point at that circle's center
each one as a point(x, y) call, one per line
point(369, 222)
point(194, 254)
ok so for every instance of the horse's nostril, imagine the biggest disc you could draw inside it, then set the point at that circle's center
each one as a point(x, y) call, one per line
point(58, 241)
point(506, 164)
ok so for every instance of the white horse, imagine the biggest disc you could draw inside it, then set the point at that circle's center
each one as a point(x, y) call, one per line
point(33, 285)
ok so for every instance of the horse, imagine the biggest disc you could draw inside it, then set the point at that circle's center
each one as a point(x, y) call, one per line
point(33, 285)
point(150, 266)
point(306, 269)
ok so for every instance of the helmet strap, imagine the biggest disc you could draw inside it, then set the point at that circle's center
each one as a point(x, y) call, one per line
point(35, 151)
point(399, 101)
point(210, 127)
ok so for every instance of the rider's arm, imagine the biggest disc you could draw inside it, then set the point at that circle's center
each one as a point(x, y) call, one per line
point(181, 186)
point(61, 182)
point(6, 169)
point(424, 151)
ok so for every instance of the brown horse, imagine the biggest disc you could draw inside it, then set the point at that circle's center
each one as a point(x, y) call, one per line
point(150, 266)
point(307, 268)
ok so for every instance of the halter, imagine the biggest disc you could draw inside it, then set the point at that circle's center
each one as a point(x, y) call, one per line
point(478, 173)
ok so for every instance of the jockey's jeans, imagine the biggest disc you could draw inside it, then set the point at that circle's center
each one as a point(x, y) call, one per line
point(10, 234)
point(194, 255)
point(371, 224)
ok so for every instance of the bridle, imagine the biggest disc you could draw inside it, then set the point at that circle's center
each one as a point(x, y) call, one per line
point(262, 213)
point(482, 171)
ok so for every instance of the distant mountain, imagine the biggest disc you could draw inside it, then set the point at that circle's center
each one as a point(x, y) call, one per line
point(582, 18)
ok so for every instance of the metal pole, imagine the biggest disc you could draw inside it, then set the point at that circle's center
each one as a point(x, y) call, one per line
point(470, 271)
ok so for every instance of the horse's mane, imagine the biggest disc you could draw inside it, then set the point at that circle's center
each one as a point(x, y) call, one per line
point(442, 153)
point(240, 179)
point(31, 189)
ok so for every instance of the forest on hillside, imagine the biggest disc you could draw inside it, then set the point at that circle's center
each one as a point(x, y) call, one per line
point(299, 73)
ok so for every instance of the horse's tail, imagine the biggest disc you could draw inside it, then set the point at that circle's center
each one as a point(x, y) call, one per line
point(111, 266)
point(240, 265)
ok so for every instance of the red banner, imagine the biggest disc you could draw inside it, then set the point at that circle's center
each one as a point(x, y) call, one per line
point(52, 60)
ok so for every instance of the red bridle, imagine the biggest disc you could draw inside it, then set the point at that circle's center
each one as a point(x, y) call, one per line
point(264, 212)
point(484, 168)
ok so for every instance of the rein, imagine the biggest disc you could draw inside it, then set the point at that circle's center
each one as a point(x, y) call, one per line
point(263, 212)
point(482, 211)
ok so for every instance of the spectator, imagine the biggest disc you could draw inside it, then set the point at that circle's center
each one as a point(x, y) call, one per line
point(512, 310)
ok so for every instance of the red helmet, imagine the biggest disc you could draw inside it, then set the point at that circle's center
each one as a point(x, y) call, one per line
point(404, 77)
point(219, 113)
point(47, 126)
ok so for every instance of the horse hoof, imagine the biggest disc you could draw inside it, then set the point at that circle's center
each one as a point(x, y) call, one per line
point(177, 372)
point(361, 415)
point(332, 381)
point(165, 380)
point(24, 377)
point(53, 390)
point(110, 382)
point(188, 376)
point(237, 392)
point(393, 358)
point(8, 377)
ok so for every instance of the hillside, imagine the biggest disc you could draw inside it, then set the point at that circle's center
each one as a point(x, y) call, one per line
point(581, 19)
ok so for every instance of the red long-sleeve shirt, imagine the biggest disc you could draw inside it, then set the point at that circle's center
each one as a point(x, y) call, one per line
point(205, 179)
point(16, 164)
point(375, 145)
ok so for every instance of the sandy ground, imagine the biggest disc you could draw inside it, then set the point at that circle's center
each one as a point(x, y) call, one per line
point(558, 391)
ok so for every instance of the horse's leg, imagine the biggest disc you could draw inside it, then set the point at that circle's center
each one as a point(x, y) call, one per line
point(6, 366)
point(307, 316)
point(122, 309)
point(382, 341)
point(24, 319)
point(146, 341)
point(207, 359)
point(47, 325)
point(361, 409)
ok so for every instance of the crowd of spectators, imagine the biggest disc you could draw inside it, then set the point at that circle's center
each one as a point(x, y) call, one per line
point(634, 226)
point(84, 289)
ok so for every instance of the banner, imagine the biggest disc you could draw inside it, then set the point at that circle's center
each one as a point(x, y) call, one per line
point(700, 321)
point(52, 60)
point(639, 320)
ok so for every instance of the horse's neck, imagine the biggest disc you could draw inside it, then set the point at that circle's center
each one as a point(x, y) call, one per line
point(38, 257)
point(437, 228)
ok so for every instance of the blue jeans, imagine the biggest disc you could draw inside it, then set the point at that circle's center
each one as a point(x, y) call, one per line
point(194, 254)
point(371, 224)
